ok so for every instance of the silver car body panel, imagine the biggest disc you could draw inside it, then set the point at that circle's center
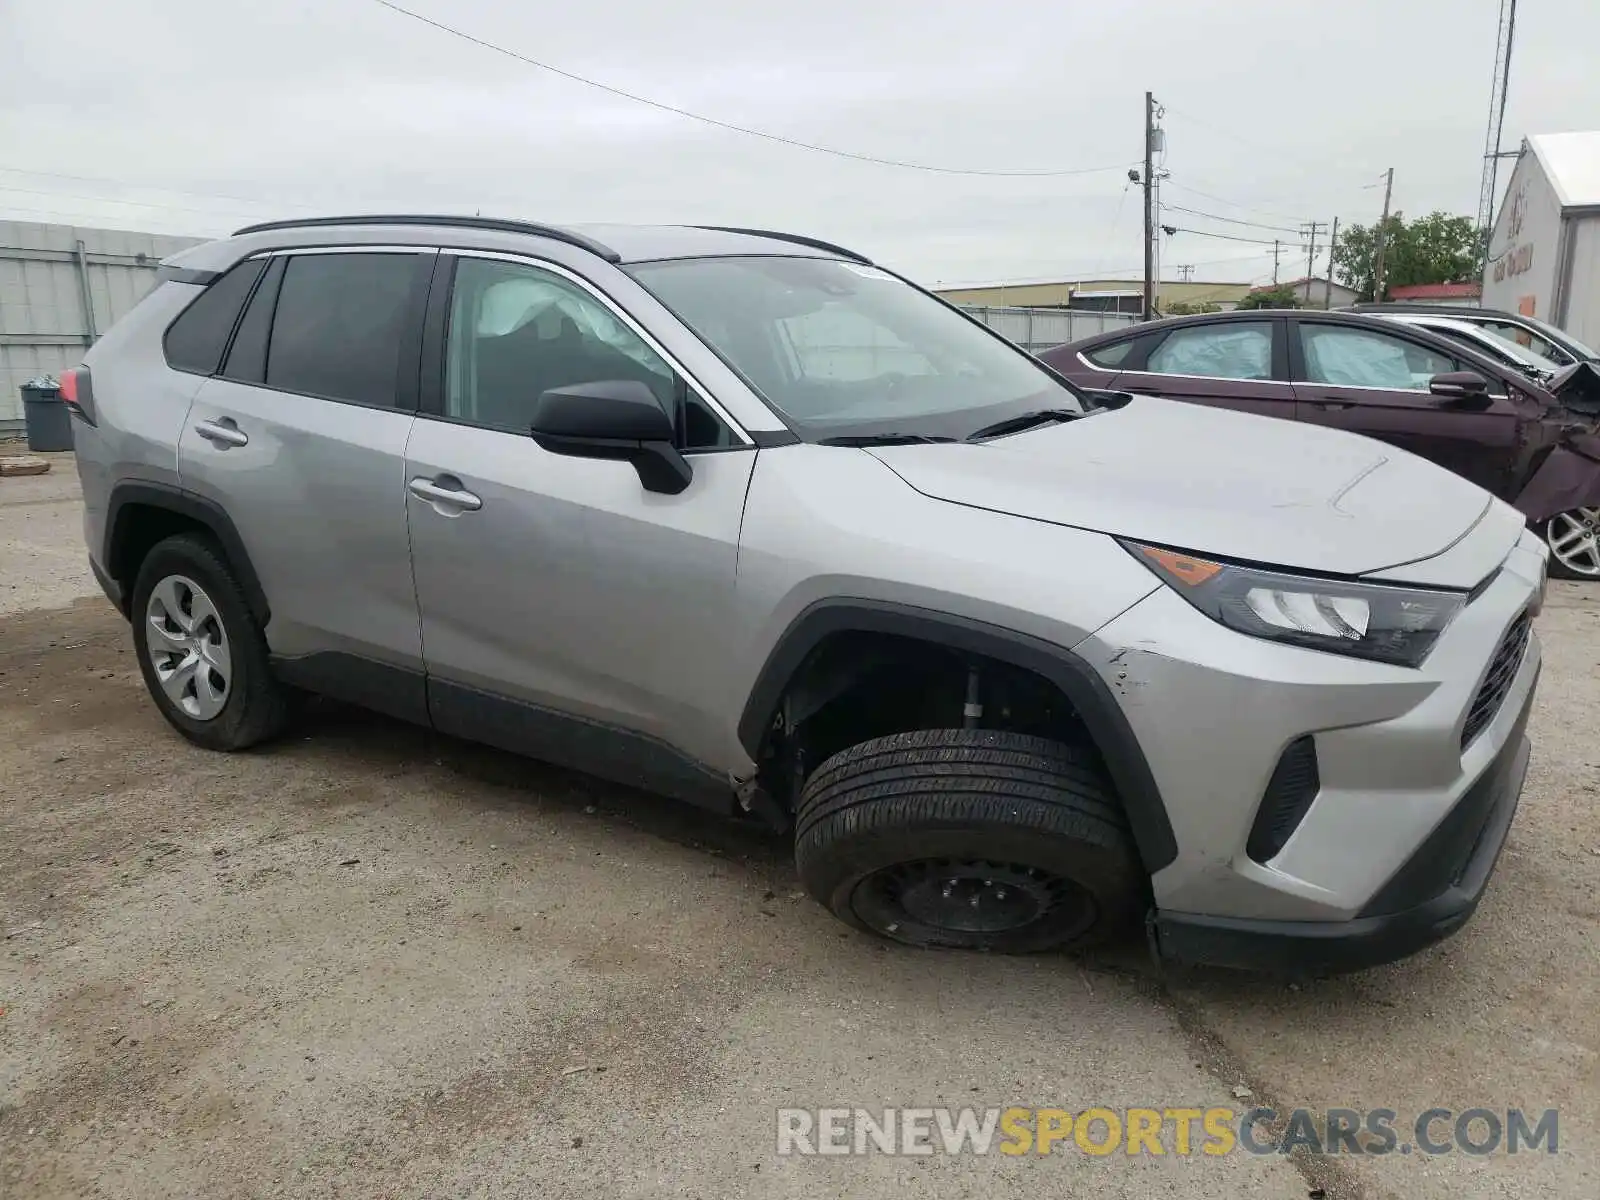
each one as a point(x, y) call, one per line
point(1388, 741)
point(141, 404)
point(570, 587)
point(1213, 482)
point(316, 495)
point(557, 591)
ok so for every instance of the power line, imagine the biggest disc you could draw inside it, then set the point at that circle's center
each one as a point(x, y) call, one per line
point(1116, 220)
point(1066, 276)
point(150, 187)
point(1195, 212)
point(160, 206)
point(1276, 152)
point(729, 125)
point(1227, 237)
point(1249, 208)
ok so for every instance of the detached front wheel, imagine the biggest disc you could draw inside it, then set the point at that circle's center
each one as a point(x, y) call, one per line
point(1574, 541)
point(971, 839)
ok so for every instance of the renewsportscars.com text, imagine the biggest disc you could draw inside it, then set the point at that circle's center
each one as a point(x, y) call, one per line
point(1181, 1132)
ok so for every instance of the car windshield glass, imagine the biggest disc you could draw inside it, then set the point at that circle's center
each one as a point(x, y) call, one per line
point(1562, 337)
point(1521, 353)
point(842, 348)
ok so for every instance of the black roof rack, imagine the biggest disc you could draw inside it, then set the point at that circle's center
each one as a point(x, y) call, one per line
point(454, 221)
point(796, 238)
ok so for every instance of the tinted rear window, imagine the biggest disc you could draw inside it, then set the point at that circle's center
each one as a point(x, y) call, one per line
point(337, 329)
point(1110, 356)
point(196, 340)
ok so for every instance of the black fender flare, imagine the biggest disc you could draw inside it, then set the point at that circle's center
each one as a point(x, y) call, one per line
point(148, 494)
point(1077, 680)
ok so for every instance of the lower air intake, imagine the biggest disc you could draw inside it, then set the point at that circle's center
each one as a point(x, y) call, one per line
point(1290, 791)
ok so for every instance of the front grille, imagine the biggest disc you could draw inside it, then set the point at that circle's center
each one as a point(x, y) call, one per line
point(1502, 670)
point(1293, 786)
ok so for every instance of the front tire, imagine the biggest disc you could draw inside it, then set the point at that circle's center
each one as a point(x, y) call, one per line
point(969, 839)
point(1574, 541)
point(201, 651)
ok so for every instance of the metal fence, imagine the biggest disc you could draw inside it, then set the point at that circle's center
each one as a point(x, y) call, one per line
point(1036, 329)
point(61, 286)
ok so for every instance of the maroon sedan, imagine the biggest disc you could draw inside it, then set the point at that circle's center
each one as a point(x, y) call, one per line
point(1535, 445)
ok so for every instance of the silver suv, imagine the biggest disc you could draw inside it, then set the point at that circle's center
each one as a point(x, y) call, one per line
point(743, 518)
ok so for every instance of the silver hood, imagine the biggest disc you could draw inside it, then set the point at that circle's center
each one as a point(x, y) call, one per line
point(1214, 482)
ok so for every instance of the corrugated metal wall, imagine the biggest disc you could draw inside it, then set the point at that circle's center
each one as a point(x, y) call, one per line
point(46, 272)
point(1036, 329)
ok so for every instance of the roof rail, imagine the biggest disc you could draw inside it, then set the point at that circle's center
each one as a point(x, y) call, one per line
point(553, 232)
point(796, 238)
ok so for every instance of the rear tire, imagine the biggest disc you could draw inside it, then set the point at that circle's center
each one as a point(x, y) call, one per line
point(200, 649)
point(970, 839)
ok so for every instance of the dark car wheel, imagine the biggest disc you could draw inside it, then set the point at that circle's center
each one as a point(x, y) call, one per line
point(969, 838)
point(201, 651)
point(1574, 541)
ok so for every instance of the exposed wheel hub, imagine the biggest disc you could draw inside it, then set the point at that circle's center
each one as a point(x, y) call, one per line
point(971, 897)
point(188, 647)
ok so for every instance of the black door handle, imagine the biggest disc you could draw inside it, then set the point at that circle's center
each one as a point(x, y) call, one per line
point(1145, 390)
point(1333, 404)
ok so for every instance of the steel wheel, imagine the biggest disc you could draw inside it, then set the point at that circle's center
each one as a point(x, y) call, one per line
point(188, 647)
point(943, 899)
point(1574, 541)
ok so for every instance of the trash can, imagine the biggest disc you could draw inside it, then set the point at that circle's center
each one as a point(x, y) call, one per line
point(45, 414)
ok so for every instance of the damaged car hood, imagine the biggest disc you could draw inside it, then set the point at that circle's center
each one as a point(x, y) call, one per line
point(1214, 482)
point(1578, 389)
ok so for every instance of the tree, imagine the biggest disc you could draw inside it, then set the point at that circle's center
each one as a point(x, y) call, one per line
point(1437, 248)
point(1280, 296)
point(1186, 308)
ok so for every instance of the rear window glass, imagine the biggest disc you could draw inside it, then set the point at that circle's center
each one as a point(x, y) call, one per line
point(1110, 356)
point(1235, 350)
point(196, 340)
point(337, 328)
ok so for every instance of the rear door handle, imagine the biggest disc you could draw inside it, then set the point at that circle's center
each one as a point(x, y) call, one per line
point(445, 492)
point(1141, 389)
point(222, 433)
point(1332, 405)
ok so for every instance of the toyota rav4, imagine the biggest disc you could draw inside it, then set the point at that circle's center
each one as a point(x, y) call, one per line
point(743, 518)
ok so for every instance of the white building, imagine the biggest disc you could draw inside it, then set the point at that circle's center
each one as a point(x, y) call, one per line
point(1544, 254)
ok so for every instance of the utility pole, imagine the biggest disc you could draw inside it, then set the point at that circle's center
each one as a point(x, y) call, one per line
point(1498, 89)
point(1383, 229)
point(1333, 245)
point(1277, 248)
point(1186, 273)
point(1149, 181)
point(1313, 227)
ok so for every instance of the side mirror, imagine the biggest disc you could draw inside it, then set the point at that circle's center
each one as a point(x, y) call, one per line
point(614, 418)
point(1460, 389)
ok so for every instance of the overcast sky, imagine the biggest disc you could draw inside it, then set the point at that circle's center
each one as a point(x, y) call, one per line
point(201, 115)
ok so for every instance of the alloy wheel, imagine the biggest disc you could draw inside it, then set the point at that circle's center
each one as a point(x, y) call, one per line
point(1574, 540)
point(188, 647)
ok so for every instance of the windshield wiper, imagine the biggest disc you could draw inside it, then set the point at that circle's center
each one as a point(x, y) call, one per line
point(882, 439)
point(1043, 416)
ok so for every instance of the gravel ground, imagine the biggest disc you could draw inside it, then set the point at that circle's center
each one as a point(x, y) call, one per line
point(368, 961)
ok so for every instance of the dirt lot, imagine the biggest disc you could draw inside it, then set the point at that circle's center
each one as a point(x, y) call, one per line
point(372, 962)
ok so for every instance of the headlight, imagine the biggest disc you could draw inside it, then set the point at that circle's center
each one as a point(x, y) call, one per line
point(1365, 620)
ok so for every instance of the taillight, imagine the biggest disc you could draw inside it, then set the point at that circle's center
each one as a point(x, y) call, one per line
point(77, 392)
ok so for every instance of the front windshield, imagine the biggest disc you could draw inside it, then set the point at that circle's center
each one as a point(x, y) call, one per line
point(1524, 356)
point(841, 348)
point(1561, 337)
